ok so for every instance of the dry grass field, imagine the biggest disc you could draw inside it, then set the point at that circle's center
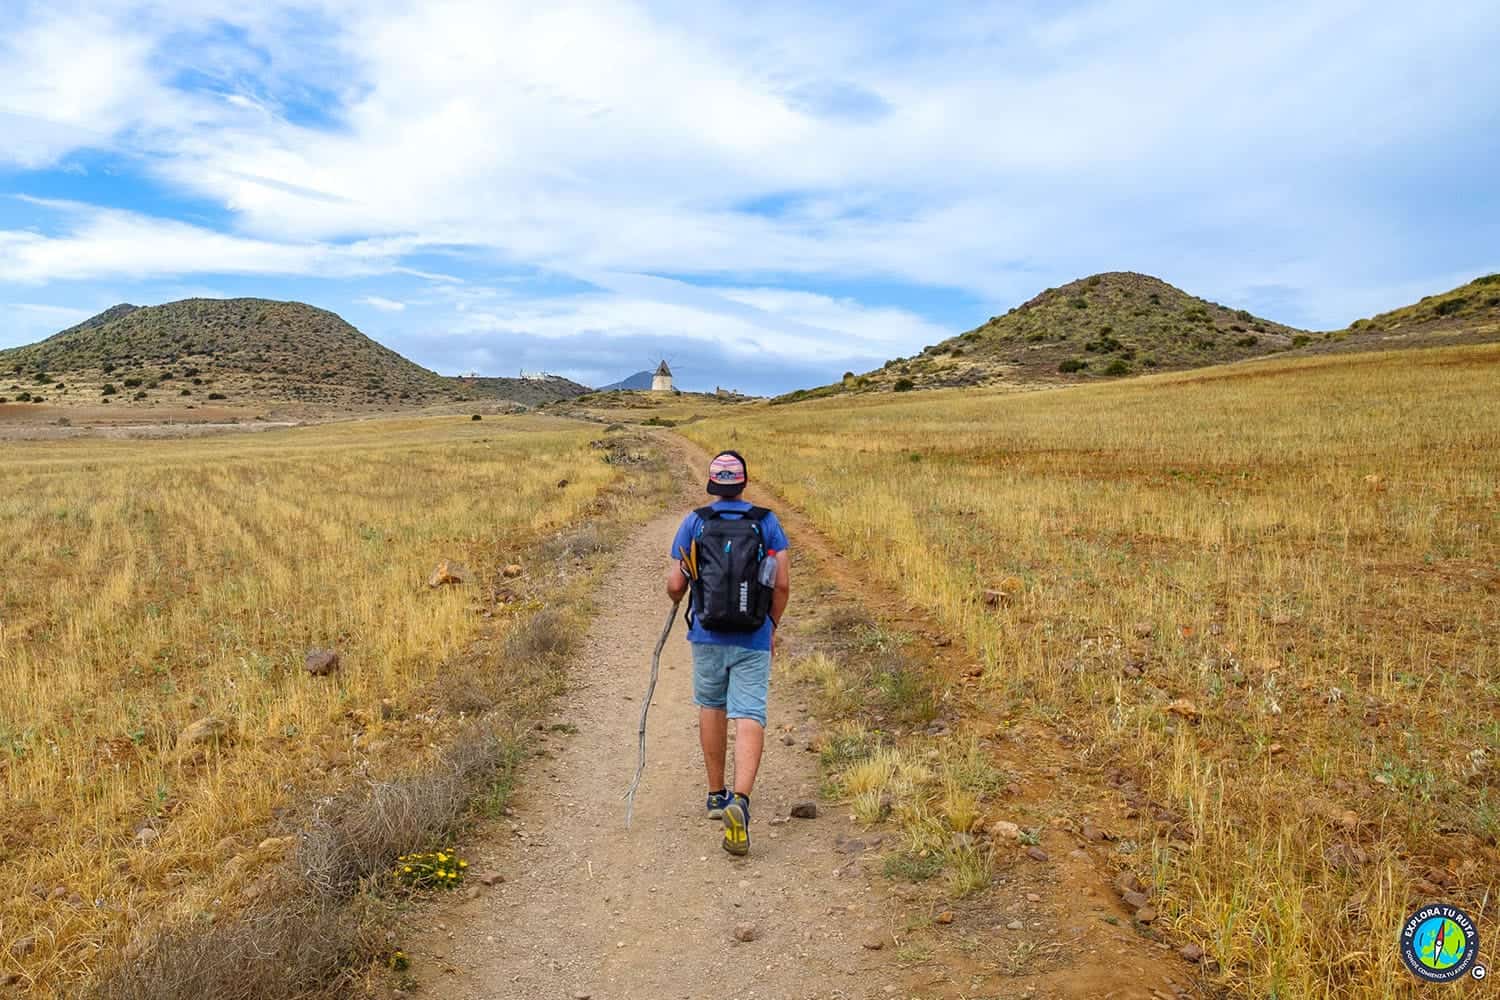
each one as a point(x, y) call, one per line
point(1268, 593)
point(152, 586)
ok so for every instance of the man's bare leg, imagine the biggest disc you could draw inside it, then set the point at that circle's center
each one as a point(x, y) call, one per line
point(713, 734)
point(749, 740)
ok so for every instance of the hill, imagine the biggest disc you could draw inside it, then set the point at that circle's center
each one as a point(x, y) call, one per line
point(236, 352)
point(1114, 324)
point(1467, 314)
point(639, 381)
point(528, 391)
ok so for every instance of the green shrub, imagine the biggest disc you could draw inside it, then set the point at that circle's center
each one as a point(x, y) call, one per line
point(43, 378)
point(1117, 367)
point(108, 390)
point(24, 397)
point(1094, 281)
point(1488, 279)
point(1244, 316)
point(140, 394)
point(185, 391)
point(1149, 362)
point(1070, 365)
point(1078, 302)
point(1301, 340)
point(1450, 306)
point(1249, 341)
point(132, 383)
point(476, 417)
point(904, 385)
point(217, 395)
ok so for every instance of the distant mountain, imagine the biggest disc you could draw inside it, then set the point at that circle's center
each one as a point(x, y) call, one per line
point(238, 351)
point(640, 380)
point(1107, 325)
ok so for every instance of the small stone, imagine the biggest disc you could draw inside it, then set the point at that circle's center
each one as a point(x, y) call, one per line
point(21, 947)
point(562, 484)
point(1146, 914)
point(1135, 900)
point(491, 878)
point(1037, 854)
point(946, 917)
point(1184, 708)
point(1143, 630)
point(471, 893)
point(448, 572)
point(1191, 952)
point(321, 662)
point(1014, 925)
point(1093, 833)
point(745, 932)
point(1128, 882)
point(1003, 829)
point(146, 836)
point(874, 944)
point(512, 571)
point(203, 731)
point(1349, 820)
point(58, 893)
point(805, 810)
point(1032, 897)
point(788, 740)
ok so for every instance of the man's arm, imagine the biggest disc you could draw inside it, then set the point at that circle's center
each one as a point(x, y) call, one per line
point(782, 593)
point(677, 582)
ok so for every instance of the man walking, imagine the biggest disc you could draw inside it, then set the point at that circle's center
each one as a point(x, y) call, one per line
point(733, 556)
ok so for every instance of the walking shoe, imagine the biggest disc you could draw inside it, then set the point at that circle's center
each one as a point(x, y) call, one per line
point(716, 803)
point(737, 826)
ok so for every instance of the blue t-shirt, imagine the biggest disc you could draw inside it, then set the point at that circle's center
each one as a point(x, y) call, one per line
point(775, 540)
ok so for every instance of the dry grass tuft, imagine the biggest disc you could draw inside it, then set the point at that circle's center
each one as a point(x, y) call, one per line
point(274, 952)
point(359, 834)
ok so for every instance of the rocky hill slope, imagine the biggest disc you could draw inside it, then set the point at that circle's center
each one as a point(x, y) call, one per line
point(239, 351)
point(1107, 325)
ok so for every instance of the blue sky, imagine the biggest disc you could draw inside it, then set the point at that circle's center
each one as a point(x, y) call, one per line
point(767, 194)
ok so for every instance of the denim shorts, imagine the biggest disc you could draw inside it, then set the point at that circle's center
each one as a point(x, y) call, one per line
point(732, 678)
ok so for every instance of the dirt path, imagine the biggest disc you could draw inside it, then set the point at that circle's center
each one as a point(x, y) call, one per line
point(589, 909)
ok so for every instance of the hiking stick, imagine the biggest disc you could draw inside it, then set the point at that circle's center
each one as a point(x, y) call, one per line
point(640, 767)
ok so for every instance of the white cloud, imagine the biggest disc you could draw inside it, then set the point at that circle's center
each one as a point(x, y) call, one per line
point(801, 327)
point(994, 149)
point(100, 243)
point(383, 304)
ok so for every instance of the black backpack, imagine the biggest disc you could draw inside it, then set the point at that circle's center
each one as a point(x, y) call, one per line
point(727, 593)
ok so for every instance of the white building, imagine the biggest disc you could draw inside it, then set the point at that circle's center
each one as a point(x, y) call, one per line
point(662, 380)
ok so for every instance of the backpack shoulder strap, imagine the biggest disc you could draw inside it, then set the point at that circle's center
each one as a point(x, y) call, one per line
point(706, 513)
point(756, 514)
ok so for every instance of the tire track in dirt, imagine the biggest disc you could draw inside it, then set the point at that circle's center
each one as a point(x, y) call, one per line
point(589, 909)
